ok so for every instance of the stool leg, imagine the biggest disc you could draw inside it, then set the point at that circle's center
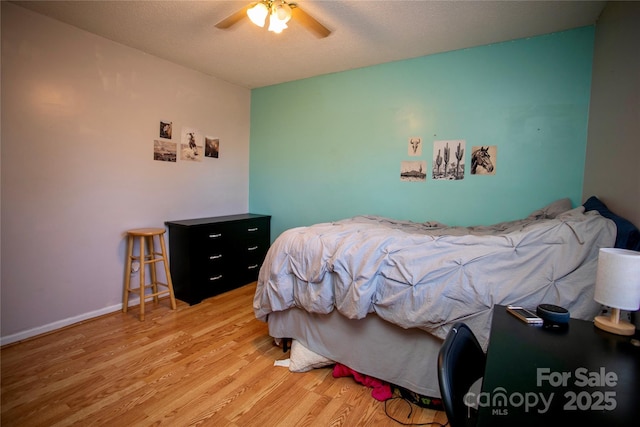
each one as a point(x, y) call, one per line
point(142, 268)
point(163, 248)
point(152, 266)
point(127, 274)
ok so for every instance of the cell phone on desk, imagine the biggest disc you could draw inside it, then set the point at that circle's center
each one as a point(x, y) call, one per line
point(525, 315)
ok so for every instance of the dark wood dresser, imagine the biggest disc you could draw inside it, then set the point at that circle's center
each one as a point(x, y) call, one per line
point(208, 256)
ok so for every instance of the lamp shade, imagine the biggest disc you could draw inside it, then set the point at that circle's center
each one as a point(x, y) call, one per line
point(282, 12)
point(258, 14)
point(276, 25)
point(618, 279)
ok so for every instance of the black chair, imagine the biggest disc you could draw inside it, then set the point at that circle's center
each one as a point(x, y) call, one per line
point(461, 363)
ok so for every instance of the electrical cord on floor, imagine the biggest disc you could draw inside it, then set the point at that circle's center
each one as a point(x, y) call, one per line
point(432, 423)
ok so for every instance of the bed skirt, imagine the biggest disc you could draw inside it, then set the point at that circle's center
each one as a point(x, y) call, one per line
point(371, 346)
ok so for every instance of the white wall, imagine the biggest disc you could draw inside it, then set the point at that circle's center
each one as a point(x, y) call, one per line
point(79, 117)
point(613, 145)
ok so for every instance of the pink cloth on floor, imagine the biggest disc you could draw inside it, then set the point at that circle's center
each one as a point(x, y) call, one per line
point(381, 390)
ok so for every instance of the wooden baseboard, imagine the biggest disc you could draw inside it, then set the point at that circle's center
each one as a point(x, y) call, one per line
point(66, 323)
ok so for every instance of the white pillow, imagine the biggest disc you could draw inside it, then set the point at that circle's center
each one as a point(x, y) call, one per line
point(303, 359)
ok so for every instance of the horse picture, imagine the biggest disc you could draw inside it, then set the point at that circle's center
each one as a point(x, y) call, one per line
point(481, 158)
point(191, 145)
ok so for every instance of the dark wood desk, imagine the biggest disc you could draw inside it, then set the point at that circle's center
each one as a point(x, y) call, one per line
point(536, 376)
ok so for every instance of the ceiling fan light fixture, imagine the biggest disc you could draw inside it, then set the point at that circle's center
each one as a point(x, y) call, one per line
point(276, 25)
point(282, 11)
point(258, 14)
point(280, 15)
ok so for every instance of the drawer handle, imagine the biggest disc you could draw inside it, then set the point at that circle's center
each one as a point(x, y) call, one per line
point(252, 229)
point(252, 248)
point(215, 236)
point(218, 277)
point(215, 256)
point(252, 267)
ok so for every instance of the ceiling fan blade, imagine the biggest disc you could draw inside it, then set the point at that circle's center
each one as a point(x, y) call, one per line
point(233, 19)
point(308, 21)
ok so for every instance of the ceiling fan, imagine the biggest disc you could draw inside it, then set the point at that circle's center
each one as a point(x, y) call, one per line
point(279, 13)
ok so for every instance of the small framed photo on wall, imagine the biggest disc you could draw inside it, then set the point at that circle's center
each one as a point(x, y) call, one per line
point(483, 160)
point(448, 160)
point(164, 151)
point(211, 147)
point(415, 146)
point(191, 145)
point(166, 129)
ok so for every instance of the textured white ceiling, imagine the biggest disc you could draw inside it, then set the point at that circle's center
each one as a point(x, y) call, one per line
point(365, 32)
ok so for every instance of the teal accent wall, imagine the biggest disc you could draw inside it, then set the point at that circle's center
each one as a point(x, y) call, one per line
point(331, 147)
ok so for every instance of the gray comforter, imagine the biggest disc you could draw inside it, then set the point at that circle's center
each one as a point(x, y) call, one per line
point(428, 275)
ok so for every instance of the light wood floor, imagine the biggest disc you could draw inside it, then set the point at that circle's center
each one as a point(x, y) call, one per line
point(208, 364)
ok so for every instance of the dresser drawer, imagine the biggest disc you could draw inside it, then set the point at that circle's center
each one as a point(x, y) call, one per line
point(215, 282)
point(253, 229)
point(251, 253)
point(212, 237)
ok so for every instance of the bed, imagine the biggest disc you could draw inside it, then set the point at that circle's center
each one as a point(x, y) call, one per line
point(379, 295)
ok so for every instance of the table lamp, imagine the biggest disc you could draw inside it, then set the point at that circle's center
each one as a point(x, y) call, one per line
point(618, 287)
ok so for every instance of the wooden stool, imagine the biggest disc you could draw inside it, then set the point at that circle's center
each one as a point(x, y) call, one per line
point(150, 257)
